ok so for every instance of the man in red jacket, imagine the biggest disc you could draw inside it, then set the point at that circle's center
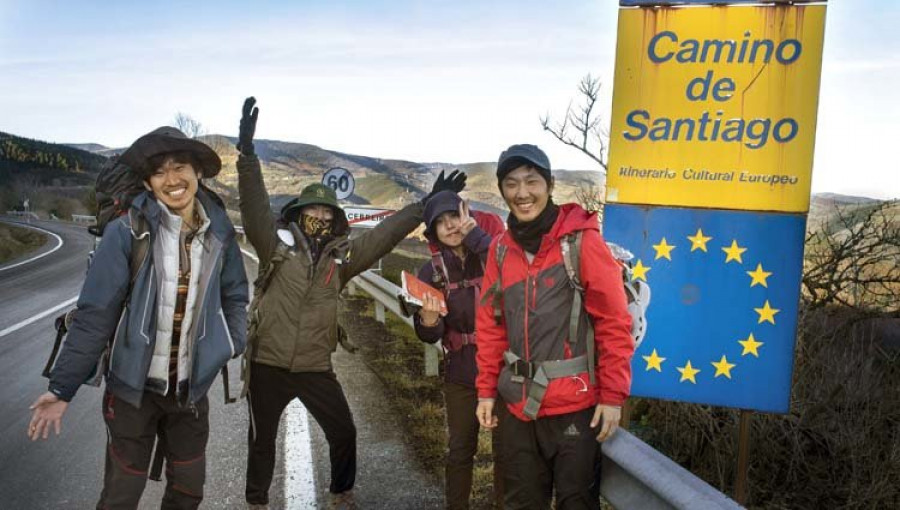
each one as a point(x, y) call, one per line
point(560, 391)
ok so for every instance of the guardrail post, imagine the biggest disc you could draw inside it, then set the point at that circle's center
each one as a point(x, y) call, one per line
point(379, 312)
point(431, 360)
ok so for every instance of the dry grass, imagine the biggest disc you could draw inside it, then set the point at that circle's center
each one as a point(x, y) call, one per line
point(399, 361)
point(17, 241)
point(839, 447)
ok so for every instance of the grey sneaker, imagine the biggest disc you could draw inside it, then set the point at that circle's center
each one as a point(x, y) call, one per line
point(342, 501)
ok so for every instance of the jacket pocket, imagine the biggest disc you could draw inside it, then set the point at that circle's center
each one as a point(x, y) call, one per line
point(221, 316)
point(116, 339)
point(212, 350)
point(130, 359)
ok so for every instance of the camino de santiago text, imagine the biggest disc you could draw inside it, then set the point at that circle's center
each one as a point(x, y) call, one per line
point(667, 48)
point(691, 174)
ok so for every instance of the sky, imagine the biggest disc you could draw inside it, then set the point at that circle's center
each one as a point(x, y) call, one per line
point(449, 81)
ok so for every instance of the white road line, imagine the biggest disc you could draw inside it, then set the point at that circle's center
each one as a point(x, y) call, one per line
point(38, 317)
point(58, 246)
point(299, 475)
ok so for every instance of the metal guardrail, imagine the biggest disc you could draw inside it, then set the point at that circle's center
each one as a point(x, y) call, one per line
point(634, 476)
point(385, 294)
point(22, 214)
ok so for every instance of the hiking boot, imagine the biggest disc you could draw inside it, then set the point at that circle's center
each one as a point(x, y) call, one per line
point(342, 501)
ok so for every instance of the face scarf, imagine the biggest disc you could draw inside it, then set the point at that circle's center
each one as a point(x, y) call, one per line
point(317, 231)
point(529, 234)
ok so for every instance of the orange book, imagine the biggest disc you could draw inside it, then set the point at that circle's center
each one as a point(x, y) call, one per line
point(415, 289)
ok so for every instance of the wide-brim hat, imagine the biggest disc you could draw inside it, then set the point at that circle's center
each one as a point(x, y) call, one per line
point(168, 139)
point(314, 194)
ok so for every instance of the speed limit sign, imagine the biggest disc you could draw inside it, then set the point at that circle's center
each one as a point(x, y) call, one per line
point(340, 180)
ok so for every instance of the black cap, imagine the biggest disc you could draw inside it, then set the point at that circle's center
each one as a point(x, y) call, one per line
point(523, 154)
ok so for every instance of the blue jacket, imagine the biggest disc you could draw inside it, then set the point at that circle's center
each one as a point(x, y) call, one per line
point(108, 309)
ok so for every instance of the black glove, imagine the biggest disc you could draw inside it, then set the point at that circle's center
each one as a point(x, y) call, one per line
point(248, 127)
point(454, 182)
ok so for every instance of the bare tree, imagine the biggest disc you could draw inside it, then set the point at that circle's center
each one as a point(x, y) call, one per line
point(581, 126)
point(590, 196)
point(195, 129)
point(189, 125)
point(854, 259)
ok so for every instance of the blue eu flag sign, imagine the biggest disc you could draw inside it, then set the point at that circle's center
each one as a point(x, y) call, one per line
point(722, 320)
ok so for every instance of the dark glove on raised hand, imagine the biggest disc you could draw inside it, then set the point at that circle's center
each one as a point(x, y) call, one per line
point(454, 182)
point(248, 127)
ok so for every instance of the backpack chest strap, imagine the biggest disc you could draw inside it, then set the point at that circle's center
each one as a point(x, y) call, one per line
point(462, 284)
point(540, 373)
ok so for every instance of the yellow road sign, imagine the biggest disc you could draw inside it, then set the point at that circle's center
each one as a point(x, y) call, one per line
point(715, 107)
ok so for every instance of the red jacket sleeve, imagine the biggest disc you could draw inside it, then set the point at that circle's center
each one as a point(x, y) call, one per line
point(490, 338)
point(605, 301)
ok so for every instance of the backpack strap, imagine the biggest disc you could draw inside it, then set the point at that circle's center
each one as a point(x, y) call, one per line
point(439, 275)
point(571, 254)
point(540, 373)
point(496, 290)
point(140, 244)
point(260, 285)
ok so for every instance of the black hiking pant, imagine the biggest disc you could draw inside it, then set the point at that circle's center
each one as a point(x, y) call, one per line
point(551, 454)
point(462, 430)
point(131, 433)
point(271, 390)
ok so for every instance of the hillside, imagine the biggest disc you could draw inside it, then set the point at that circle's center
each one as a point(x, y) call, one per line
point(289, 166)
point(47, 164)
point(69, 170)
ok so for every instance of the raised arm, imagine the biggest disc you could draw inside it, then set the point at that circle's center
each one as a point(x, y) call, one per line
point(378, 242)
point(256, 215)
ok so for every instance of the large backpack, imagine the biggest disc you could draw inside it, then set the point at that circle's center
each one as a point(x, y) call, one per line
point(637, 293)
point(116, 187)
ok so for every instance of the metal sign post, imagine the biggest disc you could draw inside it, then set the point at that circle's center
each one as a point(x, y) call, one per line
point(743, 460)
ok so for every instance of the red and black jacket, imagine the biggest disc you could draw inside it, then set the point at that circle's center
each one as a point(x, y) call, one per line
point(537, 299)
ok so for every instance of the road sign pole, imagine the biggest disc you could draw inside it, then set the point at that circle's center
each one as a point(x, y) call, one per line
point(743, 460)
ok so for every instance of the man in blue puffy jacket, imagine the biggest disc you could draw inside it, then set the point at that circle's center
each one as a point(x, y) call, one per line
point(170, 327)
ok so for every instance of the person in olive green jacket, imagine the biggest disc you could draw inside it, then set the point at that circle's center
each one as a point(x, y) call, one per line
point(305, 259)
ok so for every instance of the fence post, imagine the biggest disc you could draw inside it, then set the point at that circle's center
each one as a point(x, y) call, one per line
point(431, 360)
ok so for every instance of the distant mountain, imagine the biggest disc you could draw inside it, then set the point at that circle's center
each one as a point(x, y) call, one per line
point(90, 147)
point(47, 164)
point(289, 166)
point(832, 212)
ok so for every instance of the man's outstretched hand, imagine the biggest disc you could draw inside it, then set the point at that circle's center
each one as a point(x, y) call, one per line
point(46, 412)
point(248, 127)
